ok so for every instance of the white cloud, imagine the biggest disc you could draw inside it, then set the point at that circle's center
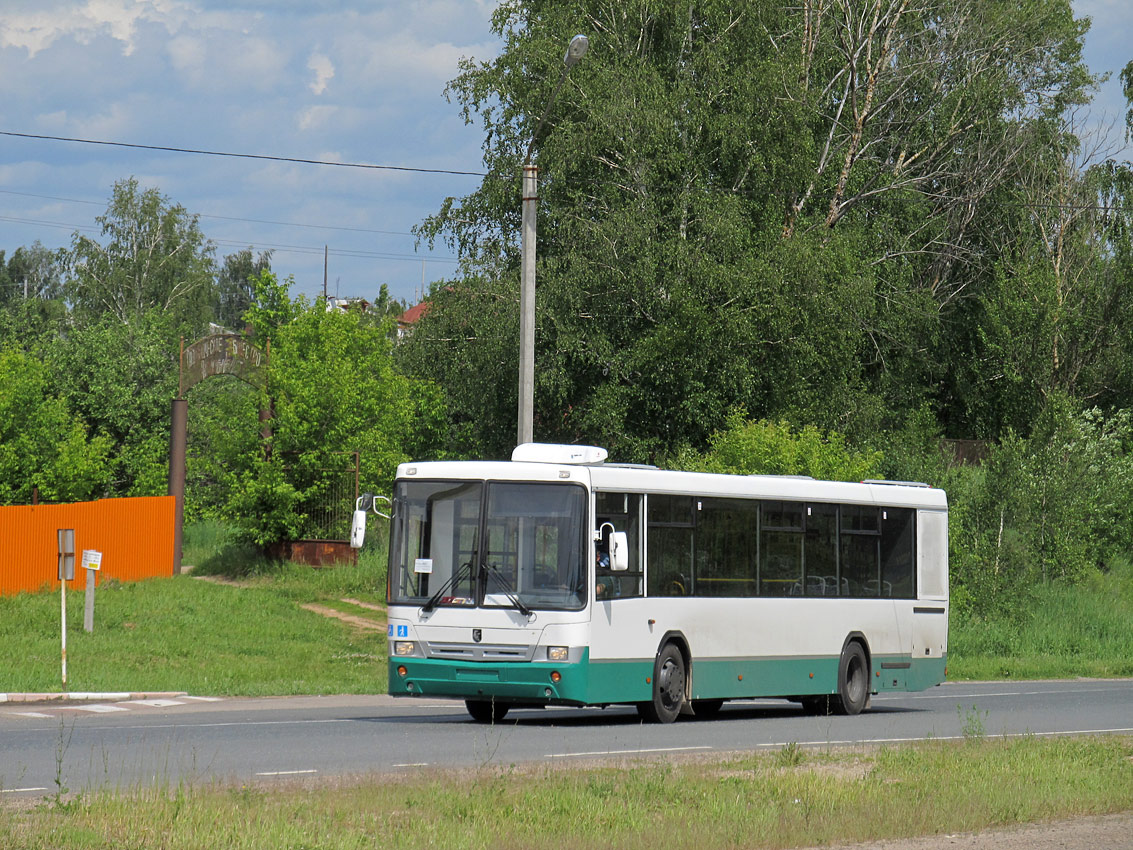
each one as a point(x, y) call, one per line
point(315, 117)
point(324, 71)
point(38, 29)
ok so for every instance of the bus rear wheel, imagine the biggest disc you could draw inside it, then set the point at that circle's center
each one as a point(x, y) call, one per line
point(668, 687)
point(486, 711)
point(853, 680)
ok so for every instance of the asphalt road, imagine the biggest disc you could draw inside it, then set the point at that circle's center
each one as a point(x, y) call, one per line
point(46, 747)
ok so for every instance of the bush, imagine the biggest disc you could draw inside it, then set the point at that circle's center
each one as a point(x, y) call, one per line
point(748, 447)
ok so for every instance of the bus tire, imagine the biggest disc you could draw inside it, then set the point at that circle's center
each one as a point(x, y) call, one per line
point(706, 708)
point(819, 706)
point(486, 710)
point(853, 680)
point(669, 678)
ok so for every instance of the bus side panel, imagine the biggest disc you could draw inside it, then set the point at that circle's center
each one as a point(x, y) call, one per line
point(749, 647)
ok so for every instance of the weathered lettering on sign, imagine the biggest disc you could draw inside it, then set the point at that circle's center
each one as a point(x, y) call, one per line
point(222, 354)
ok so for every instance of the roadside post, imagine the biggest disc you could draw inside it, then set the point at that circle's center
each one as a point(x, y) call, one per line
point(66, 539)
point(92, 563)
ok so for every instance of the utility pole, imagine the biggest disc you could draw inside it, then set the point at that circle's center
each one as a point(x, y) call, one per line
point(525, 430)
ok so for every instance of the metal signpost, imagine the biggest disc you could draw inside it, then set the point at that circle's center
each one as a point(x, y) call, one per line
point(92, 562)
point(66, 538)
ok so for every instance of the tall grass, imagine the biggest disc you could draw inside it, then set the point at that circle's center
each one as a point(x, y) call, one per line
point(1057, 630)
point(757, 801)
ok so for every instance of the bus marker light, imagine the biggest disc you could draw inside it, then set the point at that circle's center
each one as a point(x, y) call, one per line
point(878, 673)
point(740, 677)
point(401, 671)
point(648, 680)
point(556, 677)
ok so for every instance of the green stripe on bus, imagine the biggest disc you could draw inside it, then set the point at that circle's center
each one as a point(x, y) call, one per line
point(607, 682)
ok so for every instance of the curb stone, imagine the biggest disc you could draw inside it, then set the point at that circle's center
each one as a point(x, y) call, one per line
point(86, 696)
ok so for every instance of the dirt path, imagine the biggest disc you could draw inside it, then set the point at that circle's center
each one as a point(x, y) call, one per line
point(1106, 832)
point(352, 619)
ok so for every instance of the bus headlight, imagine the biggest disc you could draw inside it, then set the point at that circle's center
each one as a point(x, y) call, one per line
point(557, 653)
point(404, 647)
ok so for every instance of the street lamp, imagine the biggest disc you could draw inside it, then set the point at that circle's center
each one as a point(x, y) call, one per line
point(575, 51)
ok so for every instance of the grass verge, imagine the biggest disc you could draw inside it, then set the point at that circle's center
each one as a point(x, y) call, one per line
point(1061, 631)
point(184, 634)
point(769, 800)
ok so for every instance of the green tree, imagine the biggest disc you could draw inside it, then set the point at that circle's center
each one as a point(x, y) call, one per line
point(333, 391)
point(775, 208)
point(153, 257)
point(235, 290)
point(43, 444)
point(120, 378)
point(31, 273)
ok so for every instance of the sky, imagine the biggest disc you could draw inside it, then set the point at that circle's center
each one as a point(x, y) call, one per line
point(353, 81)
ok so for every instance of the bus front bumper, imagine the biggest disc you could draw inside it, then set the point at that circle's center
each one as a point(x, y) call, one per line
point(519, 682)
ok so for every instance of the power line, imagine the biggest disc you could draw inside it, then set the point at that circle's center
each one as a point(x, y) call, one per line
point(268, 157)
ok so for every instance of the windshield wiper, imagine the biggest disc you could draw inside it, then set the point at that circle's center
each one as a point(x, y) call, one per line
point(453, 580)
point(493, 572)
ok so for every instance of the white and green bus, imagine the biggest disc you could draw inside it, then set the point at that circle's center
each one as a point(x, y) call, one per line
point(561, 579)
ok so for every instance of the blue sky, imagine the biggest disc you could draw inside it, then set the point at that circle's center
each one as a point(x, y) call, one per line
point(341, 80)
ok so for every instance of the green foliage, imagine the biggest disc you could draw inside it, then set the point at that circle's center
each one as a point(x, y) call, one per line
point(333, 392)
point(749, 205)
point(43, 443)
point(235, 286)
point(775, 448)
point(271, 306)
point(265, 504)
point(155, 258)
point(120, 378)
point(1061, 632)
point(1051, 507)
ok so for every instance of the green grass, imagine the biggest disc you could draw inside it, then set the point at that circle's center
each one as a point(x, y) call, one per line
point(185, 634)
point(1059, 631)
point(755, 801)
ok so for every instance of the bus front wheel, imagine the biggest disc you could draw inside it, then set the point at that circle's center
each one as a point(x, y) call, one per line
point(486, 711)
point(853, 680)
point(668, 687)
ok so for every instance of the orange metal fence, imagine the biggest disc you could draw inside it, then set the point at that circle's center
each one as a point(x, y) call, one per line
point(135, 537)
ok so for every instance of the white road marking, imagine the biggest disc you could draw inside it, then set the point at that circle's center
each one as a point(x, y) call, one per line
point(154, 703)
point(625, 752)
point(412, 764)
point(285, 772)
point(31, 714)
point(205, 699)
point(978, 695)
point(19, 790)
point(97, 709)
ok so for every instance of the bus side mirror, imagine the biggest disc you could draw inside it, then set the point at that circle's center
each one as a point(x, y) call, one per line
point(357, 529)
point(619, 552)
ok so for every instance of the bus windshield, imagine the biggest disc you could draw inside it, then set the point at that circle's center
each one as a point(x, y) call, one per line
point(492, 544)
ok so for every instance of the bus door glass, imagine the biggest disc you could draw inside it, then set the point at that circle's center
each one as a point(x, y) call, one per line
point(620, 512)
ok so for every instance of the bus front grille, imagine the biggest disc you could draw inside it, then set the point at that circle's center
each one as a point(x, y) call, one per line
point(480, 651)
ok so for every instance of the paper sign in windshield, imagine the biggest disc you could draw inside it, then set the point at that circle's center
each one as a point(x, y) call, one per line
point(423, 565)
